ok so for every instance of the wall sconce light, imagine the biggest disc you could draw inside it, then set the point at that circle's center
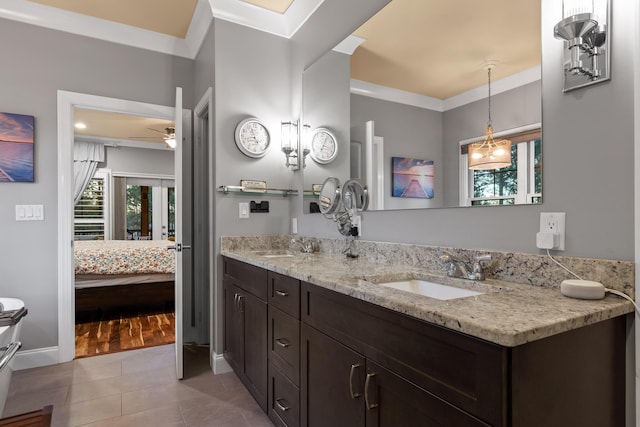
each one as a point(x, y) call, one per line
point(585, 29)
point(293, 142)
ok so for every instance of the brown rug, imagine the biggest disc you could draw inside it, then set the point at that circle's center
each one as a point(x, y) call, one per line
point(126, 332)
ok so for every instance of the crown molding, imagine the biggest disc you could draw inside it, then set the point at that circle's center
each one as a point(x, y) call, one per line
point(349, 45)
point(513, 81)
point(363, 88)
point(75, 23)
point(522, 78)
point(280, 24)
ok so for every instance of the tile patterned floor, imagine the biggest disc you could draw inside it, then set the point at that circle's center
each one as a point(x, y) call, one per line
point(136, 388)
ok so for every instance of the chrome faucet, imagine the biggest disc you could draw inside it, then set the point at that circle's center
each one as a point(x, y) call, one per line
point(459, 268)
point(306, 246)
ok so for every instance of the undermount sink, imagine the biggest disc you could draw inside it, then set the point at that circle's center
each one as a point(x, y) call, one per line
point(275, 253)
point(430, 289)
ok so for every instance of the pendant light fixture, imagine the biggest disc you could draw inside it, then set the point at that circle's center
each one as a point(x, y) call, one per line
point(489, 154)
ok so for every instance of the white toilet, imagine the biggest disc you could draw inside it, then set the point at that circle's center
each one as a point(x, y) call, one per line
point(9, 344)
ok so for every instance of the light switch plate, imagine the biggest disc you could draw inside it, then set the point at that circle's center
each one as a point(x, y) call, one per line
point(243, 210)
point(29, 213)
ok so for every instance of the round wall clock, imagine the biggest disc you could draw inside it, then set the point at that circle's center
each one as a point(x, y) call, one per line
point(252, 137)
point(324, 147)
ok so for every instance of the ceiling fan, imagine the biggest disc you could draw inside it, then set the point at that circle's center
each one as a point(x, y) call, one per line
point(168, 135)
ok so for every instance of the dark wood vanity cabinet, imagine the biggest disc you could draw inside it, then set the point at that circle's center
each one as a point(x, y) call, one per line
point(375, 367)
point(364, 365)
point(245, 325)
point(313, 357)
point(284, 350)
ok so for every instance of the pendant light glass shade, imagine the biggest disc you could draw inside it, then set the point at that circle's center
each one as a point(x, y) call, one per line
point(489, 154)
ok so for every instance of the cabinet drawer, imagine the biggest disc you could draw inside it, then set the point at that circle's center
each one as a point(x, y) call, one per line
point(246, 276)
point(284, 400)
point(284, 293)
point(468, 372)
point(284, 343)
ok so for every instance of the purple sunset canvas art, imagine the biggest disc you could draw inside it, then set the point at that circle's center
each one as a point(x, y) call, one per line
point(412, 178)
point(16, 147)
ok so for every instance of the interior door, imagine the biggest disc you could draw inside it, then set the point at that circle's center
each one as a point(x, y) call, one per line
point(179, 234)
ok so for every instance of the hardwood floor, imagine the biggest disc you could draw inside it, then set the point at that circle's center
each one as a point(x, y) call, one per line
point(125, 331)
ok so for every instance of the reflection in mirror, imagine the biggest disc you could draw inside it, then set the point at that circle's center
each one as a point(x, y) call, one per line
point(354, 197)
point(330, 195)
point(426, 100)
point(343, 204)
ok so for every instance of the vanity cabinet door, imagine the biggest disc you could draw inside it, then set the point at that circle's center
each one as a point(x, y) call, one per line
point(332, 382)
point(245, 325)
point(233, 327)
point(392, 401)
point(254, 313)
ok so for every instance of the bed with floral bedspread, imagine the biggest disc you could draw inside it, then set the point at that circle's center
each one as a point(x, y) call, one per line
point(119, 262)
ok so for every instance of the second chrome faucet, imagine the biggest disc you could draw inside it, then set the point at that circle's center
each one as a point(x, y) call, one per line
point(459, 268)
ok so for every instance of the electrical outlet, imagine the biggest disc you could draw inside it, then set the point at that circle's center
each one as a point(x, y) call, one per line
point(552, 223)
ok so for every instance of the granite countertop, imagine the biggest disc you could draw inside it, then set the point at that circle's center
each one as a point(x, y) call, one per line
point(509, 314)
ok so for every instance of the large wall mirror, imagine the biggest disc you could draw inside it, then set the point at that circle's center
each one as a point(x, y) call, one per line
point(405, 105)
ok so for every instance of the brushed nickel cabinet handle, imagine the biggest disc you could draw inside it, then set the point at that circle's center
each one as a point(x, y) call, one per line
point(282, 293)
point(282, 342)
point(356, 394)
point(241, 303)
point(281, 406)
point(235, 300)
point(366, 392)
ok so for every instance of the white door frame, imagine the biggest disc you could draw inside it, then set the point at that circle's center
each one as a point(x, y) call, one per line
point(635, 404)
point(67, 101)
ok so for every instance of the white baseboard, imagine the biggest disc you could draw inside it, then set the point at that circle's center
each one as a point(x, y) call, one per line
point(219, 365)
point(35, 358)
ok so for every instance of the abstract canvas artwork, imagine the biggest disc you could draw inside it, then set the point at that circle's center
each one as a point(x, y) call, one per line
point(412, 178)
point(16, 147)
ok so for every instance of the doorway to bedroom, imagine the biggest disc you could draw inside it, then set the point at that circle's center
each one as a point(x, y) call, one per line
point(124, 225)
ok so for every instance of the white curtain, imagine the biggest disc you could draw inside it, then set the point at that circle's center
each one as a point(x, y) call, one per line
point(86, 157)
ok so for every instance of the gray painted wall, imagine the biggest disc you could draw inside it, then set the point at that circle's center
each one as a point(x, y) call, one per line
point(408, 131)
point(421, 133)
point(511, 109)
point(588, 153)
point(326, 105)
point(45, 61)
point(252, 78)
point(139, 160)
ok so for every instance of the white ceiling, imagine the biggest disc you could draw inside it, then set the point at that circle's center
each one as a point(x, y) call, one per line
point(120, 129)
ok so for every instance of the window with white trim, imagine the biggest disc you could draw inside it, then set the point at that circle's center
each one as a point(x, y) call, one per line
point(91, 213)
point(518, 184)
